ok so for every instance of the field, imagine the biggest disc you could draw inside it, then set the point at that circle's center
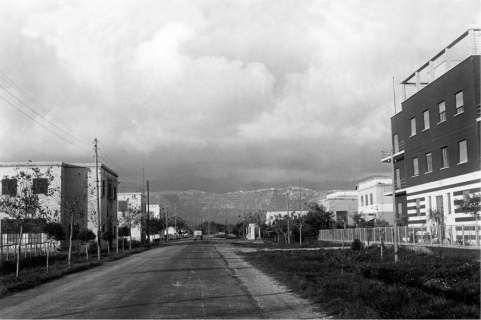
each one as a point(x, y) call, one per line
point(359, 284)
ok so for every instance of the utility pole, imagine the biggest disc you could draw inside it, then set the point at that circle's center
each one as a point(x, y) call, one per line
point(166, 225)
point(99, 229)
point(288, 220)
point(175, 217)
point(148, 214)
point(394, 185)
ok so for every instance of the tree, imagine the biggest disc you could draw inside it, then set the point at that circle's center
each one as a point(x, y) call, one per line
point(55, 232)
point(86, 236)
point(24, 201)
point(317, 218)
point(124, 231)
point(472, 205)
point(131, 217)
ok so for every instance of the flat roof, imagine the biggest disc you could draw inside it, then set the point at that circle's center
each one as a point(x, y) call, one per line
point(56, 164)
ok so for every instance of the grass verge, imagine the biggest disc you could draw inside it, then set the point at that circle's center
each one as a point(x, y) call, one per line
point(33, 274)
point(358, 284)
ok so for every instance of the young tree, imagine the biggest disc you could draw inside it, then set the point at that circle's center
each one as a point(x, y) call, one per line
point(55, 232)
point(24, 201)
point(86, 236)
point(472, 205)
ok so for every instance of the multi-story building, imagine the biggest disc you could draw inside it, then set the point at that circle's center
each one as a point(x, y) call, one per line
point(373, 203)
point(343, 204)
point(131, 210)
point(64, 190)
point(436, 136)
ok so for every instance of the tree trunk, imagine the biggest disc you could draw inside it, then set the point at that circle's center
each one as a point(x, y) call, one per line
point(19, 251)
point(47, 257)
point(130, 235)
point(69, 260)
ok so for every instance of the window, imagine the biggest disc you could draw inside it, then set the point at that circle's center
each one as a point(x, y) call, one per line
point(418, 207)
point(40, 185)
point(366, 200)
point(370, 196)
point(123, 205)
point(397, 173)
point(415, 167)
point(103, 188)
point(459, 102)
point(429, 162)
point(444, 157)
point(396, 143)
point(115, 193)
point(109, 191)
point(9, 187)
point(426, 119)
point(413, 126)
point(442, 111)
point(399, 209)
point(362, 201)
point(463, 151)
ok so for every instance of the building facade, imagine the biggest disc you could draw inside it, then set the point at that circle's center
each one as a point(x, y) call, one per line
point(343, 204)
point(131, 209)
point(65, 191)
point(373, 200)
point(436, 137)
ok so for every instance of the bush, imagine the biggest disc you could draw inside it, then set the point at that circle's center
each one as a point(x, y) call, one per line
point(54, 231)
point(356, 245)
point(86, 235)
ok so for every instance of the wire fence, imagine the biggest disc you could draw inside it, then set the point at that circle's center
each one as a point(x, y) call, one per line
point(450, 236)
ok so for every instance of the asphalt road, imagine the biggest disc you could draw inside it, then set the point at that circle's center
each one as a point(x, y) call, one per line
point(189, 280)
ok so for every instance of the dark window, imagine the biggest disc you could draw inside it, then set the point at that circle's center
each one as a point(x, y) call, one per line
point(109, 191)
point(418, 207)
point(103, 188)
point(40, 186)
point(370, 196)
point(459, 102)
point(122, 205)
point(115, 193)
point(9, 187)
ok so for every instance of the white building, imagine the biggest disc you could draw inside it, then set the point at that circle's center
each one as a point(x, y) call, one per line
point(271, 216)
point(131, 208)
point(373, 203)
point(154, 210)
point(343, 204)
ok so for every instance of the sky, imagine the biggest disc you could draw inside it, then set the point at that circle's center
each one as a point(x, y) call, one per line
point(215, 95)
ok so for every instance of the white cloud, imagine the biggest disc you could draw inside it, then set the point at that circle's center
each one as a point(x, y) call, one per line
point(218, 88)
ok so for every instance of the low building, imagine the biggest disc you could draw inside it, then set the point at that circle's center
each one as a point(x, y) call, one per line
point(343, 204)
point(271, 216)
point(131, 209)
point(373, 201)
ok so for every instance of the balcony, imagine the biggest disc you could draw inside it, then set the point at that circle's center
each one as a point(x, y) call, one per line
point(468, 44)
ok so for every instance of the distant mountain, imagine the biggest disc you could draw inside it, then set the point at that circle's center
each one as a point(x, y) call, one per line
point(194, 205)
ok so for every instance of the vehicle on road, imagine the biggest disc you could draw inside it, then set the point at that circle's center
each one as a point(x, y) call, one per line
point(198, 234)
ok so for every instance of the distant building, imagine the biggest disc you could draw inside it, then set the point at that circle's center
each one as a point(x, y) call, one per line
point(372, 202)
point(271, 216)
point(436, 136)
point(252, 229)
point(343, 204)
point(131, 209)
point(154, 210)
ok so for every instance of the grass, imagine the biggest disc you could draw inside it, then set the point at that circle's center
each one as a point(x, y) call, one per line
point(269, 244)
point(34, 273)
point(358, 284)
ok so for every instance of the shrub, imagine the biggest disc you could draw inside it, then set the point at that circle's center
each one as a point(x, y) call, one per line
point(356, 245)
point(54, 231)
point(86, 235)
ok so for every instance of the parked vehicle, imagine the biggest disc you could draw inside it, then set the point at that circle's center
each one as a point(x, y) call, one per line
point(198, 234)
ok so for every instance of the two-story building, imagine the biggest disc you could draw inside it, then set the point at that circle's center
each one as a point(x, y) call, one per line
point(64, 191)
point(373, 201)
point(131, 211)
point(343, 204)
point(436, 136)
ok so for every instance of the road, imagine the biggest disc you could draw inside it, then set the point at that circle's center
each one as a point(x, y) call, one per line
point(186, 280)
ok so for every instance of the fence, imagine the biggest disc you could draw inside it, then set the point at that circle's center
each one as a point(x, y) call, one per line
point(33, 244)
point(458, 236)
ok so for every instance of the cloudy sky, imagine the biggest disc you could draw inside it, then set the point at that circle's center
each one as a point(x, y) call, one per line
point(214, 95)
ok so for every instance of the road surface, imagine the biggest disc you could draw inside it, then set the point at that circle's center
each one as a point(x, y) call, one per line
point(185, 280)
